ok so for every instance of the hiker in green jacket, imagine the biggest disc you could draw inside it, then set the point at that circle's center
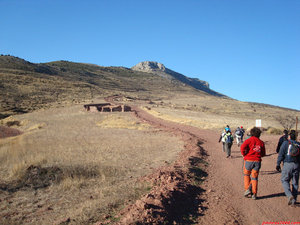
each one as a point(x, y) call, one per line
point(228, 142)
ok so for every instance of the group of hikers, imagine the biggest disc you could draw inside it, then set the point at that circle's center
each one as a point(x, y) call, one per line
point(253, 149)
point(227, 139)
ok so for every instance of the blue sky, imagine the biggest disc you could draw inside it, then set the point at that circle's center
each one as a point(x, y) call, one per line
point(246, 49)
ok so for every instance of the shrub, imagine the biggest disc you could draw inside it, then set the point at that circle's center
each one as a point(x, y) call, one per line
point(273, 130)
point(287, 122)
point(13, 123)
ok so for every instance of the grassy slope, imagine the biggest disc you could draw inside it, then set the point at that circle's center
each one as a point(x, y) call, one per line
point(27, 86)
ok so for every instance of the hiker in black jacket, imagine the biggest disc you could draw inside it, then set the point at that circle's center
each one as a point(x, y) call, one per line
point(282, 139)
point(290, 156)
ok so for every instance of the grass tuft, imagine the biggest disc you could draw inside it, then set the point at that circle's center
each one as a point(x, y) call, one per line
point(273, 130)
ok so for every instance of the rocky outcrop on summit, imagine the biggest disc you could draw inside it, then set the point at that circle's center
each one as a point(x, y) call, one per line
point(160, 70)
point(148, 66)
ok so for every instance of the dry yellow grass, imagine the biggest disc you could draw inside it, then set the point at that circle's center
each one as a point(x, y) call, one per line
point(210, 112)
point(101, 156)
point(122, 121)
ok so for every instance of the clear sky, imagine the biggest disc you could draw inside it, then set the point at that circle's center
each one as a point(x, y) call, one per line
point(246, 49)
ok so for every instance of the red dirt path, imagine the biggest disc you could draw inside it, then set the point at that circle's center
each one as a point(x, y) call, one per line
point(177, 199)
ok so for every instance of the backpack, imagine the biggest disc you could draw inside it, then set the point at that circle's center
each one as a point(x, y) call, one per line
point(238, 132)
point(294, 149)
point(228, 139)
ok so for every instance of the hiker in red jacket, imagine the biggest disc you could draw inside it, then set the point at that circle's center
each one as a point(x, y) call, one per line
point(253, 149)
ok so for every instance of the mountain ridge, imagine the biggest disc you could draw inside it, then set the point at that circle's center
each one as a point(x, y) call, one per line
point(26, 86)
point(55, 67)
point(161, 70)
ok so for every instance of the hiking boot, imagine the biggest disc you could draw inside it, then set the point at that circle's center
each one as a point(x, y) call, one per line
point(247, 193)
point(254, 197)
point(291, 201)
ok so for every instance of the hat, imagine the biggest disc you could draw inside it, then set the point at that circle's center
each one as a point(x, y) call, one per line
point(241, 126)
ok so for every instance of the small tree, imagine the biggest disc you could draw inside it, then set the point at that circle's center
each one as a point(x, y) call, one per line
point(287, 122)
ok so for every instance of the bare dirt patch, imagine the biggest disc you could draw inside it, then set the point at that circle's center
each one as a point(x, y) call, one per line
point(8, 132)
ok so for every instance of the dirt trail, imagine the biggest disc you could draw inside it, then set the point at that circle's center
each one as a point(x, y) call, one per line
point(224, 188)
point(219, 198)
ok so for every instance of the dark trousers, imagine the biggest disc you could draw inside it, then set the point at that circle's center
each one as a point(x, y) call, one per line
point(290, 171)
point(228, 149)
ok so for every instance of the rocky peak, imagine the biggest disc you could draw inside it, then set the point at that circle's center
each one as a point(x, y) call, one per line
point(160, 70)
point(149, 66)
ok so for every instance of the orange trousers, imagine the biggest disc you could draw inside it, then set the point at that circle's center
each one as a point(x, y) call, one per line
point(251, 171)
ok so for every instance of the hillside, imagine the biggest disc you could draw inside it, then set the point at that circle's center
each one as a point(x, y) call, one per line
point(27, 86)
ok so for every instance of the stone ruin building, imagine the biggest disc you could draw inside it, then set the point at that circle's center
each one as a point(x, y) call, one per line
point(106, 107)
